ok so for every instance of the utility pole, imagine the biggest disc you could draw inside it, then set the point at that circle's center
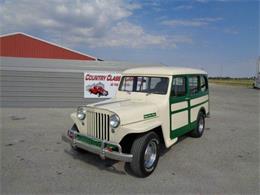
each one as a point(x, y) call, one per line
point(257, 76)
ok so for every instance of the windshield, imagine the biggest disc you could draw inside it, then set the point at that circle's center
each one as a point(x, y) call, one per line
point(157, 85)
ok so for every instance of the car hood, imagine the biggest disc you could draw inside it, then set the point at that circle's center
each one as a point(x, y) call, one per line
point(129, 111)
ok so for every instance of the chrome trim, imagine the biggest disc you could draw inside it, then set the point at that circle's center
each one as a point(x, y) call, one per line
point(98, 124)
point(102, 152)
point(150, 155)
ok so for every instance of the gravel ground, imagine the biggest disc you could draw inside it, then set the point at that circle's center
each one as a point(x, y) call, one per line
point(224, 161)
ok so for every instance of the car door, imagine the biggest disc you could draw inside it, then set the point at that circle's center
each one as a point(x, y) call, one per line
point(179, 107)
point(198, 92)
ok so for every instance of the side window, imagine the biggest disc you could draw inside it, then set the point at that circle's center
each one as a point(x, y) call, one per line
point(127, 84)
point(194, 84)
point(178, 87)
point(159, 85)
point(142, 83)
point(154, 82)
point(203, 84)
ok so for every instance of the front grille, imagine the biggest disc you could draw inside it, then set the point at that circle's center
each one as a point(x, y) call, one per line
point(98, 125)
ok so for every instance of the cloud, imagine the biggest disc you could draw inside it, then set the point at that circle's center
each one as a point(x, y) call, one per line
point(134, 6)
point(181, 39)
point(231, 31)
point(99, 23)
point(202, 1)
point(197, 22)
point(126, 34)
point(183, 7)
point(123, 34)
point(207, 1)
point(88, 23)
point(61, 15)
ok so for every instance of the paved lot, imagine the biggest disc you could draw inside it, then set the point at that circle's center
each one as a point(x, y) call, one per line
point(224, 160)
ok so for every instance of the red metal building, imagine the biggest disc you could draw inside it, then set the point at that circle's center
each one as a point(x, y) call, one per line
point(26, 46)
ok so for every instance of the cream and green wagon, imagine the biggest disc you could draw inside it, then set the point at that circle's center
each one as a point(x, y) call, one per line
point(152, 108)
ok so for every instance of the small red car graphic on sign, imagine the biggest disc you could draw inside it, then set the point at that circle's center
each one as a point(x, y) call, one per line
point(98, 90)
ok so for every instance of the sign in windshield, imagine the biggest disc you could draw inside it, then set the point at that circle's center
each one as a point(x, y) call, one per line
point(156, 85)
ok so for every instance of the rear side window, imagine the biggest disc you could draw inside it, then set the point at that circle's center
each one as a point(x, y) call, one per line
point(203, 84)
point(194, 84)
point(178, 87)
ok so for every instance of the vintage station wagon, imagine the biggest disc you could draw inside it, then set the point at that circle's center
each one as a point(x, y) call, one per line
point(152, 108)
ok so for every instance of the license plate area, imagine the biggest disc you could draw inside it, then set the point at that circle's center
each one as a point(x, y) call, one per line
point(95, 142)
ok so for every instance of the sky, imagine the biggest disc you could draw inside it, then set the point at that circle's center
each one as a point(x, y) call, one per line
point(219, 36)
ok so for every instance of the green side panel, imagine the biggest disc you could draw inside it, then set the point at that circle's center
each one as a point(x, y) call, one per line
point(198, 104)
point(193, 125)
point(188, 97)
point(150, 115)
point(182, 130)
point(189, 107)
point(181, 110)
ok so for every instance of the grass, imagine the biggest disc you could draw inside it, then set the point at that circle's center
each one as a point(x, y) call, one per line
point(233, 82)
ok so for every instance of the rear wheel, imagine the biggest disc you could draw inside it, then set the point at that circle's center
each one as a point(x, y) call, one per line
point(198, 131)
point(145, 150)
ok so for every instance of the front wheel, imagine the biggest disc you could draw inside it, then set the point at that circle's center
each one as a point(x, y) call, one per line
point(145, 150)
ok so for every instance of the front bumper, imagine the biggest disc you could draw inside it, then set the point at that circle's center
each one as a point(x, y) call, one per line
point(104, 151)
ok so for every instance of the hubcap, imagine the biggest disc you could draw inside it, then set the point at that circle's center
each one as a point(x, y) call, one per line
point(201, 124)
point(150, 155)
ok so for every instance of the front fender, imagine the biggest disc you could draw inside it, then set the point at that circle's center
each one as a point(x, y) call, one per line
point(138, 127)
point(142, 126)
point(81, 125)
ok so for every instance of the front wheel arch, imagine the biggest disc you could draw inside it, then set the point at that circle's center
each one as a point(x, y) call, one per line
point(127, 141)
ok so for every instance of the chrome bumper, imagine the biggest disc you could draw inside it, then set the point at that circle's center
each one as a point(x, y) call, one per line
point(102, 151)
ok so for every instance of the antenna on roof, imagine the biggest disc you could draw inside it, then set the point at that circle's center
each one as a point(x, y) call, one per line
point(164, 64)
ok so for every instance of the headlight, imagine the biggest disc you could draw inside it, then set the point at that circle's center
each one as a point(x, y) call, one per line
point(114, 121)
point(81, 112)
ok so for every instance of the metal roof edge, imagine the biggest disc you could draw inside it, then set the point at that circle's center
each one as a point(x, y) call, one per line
point(51, 43)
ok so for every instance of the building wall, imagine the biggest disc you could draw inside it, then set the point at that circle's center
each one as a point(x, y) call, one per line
point(49, 83)
point(41, 89)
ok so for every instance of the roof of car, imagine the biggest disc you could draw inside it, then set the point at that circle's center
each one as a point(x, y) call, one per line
point(174, 70)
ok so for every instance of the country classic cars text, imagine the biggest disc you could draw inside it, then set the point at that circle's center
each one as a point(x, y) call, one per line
point(109, 77)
